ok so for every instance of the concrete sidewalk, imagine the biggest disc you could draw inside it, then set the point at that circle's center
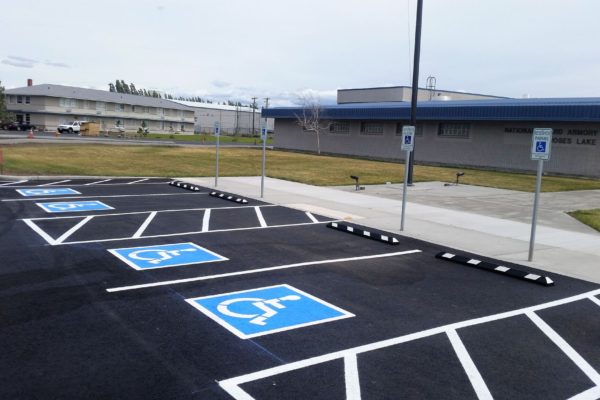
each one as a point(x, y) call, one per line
point(490, 222)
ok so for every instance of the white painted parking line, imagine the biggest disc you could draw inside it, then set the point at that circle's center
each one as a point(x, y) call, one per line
point(311, 217)
point(206, 220)
point(142, 228)
point(40, 231)
point(147, 211)
point(138, 181)
point(260, 217)
point(232, 385)
point(12, 183)
point(68, 233)
point(104, 197)
point(471, 370)
point(590, 394)
point(97, 182)
point(351, 377)
point(565, 347)
point(55, 183)
point(595, 299)
point(53, 243)
point(258, 270)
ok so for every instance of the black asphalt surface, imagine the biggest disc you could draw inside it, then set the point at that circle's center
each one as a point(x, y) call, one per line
point(67, 334)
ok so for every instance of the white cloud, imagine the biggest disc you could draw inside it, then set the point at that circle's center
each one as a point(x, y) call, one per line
point(17, 63)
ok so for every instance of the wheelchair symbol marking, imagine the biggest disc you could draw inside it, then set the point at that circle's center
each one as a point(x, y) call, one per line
point(161, 255)
point(540, 147)
point(166, 255)
point(266, 310)
point(78, 206)
point(263, 305)
point(46, 192)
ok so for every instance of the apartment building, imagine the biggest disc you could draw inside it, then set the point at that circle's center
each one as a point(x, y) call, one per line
point(47, 106)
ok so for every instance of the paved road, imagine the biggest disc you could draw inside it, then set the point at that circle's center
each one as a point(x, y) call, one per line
point(132, 288)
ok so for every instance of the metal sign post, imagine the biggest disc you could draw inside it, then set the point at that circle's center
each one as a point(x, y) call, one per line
point(218, 135)
point(263, 136)
point(540, 151)
point(408, 144)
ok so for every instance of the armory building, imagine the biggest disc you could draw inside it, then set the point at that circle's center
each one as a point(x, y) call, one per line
point(453, 128)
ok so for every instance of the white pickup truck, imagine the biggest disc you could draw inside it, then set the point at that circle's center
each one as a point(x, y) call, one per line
point(70, 127)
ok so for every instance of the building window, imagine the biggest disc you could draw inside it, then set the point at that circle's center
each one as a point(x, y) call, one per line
point(27, 100)
point(453, 130)
point(68, 103)
point(100, 106)
point(19, 99)
point(132, 108)
point(121, 107)
point(371, 128)
point(11, 99)
point(342, 127)
point(418, 130)
point(27, 118)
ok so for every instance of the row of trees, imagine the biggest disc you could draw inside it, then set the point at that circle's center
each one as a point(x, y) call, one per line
point(120, 86)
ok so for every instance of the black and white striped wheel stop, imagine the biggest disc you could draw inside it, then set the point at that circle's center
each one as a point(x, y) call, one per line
point(229, 197)
point(501, 269)
point(363, 233)
point(185, 185)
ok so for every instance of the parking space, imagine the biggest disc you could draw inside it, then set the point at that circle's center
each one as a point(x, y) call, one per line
point(177, 294)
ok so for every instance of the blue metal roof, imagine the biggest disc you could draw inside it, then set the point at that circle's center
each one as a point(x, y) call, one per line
point(552, 109)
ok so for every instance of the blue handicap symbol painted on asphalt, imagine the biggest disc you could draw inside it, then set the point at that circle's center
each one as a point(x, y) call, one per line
point(74, 206)
point(46, 192)
point(166, 255)
point(262, 311)
point(540, 147)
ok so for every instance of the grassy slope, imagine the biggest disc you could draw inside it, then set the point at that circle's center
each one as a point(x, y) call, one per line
point(588, 217)
point(104, 160)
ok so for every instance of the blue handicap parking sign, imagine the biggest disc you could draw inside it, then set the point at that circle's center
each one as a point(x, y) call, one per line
point(46, 192)
point(262, 311)
point(166, 255)
point(74, 206)
point(407, 139)
point(540, 146)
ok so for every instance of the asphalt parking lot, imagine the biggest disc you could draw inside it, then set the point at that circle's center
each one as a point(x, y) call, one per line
point(134, 288)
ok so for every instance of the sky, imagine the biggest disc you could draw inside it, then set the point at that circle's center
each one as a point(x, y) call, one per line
point(284, 49)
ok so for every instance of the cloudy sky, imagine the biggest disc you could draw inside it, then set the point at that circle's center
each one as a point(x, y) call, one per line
point(233, 49)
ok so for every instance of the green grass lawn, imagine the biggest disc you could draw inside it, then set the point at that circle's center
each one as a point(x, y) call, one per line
point(206, 138)
point(588, 217)
point(171, 161)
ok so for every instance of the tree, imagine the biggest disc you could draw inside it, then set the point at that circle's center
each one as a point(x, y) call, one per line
point(132, 89)
point(311, 118)
point(125, 87)
point(5, 116)
point(118, 86)
point(111, 87)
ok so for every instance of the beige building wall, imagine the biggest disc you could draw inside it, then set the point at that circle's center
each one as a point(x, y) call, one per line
point(46, 113)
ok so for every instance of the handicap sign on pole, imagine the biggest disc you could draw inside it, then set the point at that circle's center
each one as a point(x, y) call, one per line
point(74, 206)
point(540, 144)
point(408, 135)
point(167, 255)
point(46, 192)
point(262, 311)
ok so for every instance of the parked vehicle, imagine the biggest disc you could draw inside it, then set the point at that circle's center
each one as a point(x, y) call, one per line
point(70, 127)
point(17, 126)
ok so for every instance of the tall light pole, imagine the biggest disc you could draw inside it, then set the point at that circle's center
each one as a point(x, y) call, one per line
point(415, 85)
point(253, 110)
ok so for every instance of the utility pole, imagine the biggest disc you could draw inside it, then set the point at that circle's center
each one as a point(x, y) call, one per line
point(415, 84)
point(253, 110)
